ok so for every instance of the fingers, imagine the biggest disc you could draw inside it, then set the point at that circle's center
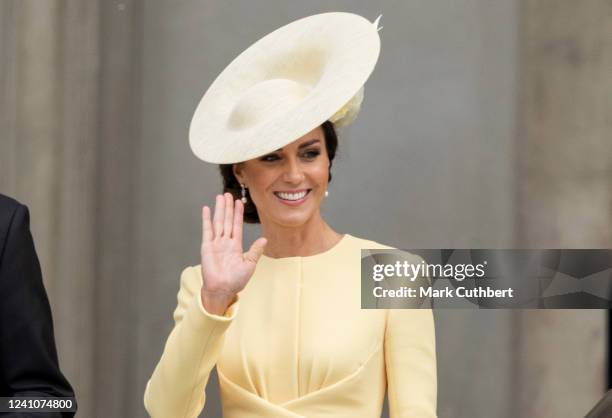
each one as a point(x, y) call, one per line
point(238, 221)
point(229, 215)
point(223, 221)
point(256, 250)
point(218, 219)
point(207, 230)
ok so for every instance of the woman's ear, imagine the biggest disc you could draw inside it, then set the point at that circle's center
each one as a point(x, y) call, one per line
point(237, 170)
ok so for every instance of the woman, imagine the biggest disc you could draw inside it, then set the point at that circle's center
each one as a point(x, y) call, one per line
point(299, 345)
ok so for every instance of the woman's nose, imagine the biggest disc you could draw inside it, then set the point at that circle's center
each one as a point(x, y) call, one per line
point(293, 172)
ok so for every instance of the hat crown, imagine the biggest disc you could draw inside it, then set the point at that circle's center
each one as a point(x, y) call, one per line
point(268, 99)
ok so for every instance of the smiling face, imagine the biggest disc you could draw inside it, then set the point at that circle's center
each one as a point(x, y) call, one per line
point(288, 185)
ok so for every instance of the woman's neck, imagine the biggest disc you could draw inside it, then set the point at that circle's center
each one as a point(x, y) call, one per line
point(315, 237)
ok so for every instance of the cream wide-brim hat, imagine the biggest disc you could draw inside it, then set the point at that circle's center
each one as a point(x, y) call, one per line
point(285, 85)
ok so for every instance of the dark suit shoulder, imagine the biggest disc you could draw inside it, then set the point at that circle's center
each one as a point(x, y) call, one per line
point(8, 205)
point(28, 365)
point(8, 208)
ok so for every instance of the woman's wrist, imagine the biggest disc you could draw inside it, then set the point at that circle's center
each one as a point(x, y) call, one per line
point(216, 303)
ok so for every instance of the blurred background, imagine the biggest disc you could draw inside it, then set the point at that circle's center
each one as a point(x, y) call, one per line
point(486, 124)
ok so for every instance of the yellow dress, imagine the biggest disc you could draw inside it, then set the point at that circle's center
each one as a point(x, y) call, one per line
point(297, 344)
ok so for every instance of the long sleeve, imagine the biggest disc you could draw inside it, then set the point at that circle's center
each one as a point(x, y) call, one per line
point(28, 358)
point(410, 360)
point(177, 387)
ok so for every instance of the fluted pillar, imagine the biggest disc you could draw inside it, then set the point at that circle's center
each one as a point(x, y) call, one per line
point(564, 174)
point(49, 86)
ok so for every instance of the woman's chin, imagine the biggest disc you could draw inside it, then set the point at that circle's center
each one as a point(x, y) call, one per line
point(292, 219)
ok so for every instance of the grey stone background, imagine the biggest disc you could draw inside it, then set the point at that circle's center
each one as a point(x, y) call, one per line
point(485, 124)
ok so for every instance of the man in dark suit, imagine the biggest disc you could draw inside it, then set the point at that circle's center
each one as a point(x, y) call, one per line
point(28, 358)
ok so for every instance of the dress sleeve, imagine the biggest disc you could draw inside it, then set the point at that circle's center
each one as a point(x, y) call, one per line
point(177, 387)
point(410, 362)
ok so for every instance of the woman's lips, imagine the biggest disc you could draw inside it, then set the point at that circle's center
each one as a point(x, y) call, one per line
point(292, 198)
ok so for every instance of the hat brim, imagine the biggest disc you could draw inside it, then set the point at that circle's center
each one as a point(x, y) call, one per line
point(330, 54)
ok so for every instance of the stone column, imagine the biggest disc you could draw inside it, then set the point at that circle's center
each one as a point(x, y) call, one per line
point(49, 89)
point(117, 313)
point(564, 171)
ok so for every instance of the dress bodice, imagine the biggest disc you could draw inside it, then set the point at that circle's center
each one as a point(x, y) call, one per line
point(298, 344)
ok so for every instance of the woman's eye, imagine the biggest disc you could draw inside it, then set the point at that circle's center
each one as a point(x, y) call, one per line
point(312, 153)
point(269, 157)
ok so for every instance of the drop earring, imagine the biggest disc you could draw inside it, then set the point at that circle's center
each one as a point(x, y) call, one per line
point(243, 193)
point(326, 193)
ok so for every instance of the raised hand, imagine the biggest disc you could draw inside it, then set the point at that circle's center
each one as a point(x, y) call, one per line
point(226, 269)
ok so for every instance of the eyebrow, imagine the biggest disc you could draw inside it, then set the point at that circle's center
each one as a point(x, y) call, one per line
point(305, 144)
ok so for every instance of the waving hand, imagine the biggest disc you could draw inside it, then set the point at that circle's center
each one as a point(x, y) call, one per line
point(226, 269)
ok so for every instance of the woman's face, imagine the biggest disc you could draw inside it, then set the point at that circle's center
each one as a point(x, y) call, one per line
point(288, 185)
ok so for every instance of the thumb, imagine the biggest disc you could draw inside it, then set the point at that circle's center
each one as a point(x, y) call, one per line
point(256, 250)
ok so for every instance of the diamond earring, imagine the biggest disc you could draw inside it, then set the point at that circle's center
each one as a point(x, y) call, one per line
point(326, 193)
point(243, 193)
